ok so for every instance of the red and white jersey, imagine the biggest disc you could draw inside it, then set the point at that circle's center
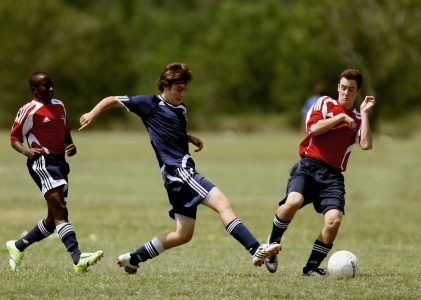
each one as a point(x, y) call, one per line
point(334, 146)
point(43, 125)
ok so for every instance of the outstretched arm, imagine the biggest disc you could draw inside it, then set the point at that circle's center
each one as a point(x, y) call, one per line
point(366, 139)
point(87, 119)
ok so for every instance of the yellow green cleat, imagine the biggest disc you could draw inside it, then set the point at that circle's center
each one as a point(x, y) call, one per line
point(88, 259)
point(15, 256)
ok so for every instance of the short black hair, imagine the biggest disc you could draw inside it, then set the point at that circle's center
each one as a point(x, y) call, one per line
point(35, 76)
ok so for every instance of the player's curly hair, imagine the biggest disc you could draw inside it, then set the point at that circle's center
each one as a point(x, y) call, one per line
point(352, 74)
point(174, 73)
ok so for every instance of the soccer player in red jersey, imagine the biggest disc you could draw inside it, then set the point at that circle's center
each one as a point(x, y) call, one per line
point(44, 124)
point(332, 126)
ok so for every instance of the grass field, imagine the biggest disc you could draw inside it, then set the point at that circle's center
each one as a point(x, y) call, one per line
point(117, 202)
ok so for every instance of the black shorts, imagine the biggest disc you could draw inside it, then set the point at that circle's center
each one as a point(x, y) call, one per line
point(186, 189)
point(49, 171)
point(319, 183)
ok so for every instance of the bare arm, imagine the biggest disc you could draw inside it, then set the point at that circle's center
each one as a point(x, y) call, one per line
point(325, 125)
point(366, 139)
point(70, 147)
point(195, 141)
point(28, 152)
point(87, 119)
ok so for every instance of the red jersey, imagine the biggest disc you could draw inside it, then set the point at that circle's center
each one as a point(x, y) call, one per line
point(332, 147)
point(43, 125)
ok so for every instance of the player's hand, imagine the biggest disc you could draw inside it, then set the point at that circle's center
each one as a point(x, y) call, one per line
point(85, 121)
point(70, 150)
point(349, 122)
point(367, 104)
point(197, 142)
point(32, 153)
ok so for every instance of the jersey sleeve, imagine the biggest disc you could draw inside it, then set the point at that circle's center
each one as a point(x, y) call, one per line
point(16, 134)
point(315, 113)
point(141, 105)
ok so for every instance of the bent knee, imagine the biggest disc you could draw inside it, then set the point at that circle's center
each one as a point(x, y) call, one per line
point(294, 200)
point(184, 238)
point(333, 221)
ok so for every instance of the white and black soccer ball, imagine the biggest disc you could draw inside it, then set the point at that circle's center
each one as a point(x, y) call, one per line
point(343, 264)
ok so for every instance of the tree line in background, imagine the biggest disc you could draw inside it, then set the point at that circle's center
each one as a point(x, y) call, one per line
point(247, 57)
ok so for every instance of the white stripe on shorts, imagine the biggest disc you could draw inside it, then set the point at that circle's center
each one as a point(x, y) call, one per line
point(192, 183)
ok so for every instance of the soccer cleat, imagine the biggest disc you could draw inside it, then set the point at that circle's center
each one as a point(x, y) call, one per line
point(88, 259)
point(15, 256)
point(271, 262)
point(314, 272)
point(124, 261)
point(264, 251)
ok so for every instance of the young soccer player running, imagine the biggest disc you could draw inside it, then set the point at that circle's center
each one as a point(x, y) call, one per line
point(333, 126)
point(164, 116)
point(43, 122)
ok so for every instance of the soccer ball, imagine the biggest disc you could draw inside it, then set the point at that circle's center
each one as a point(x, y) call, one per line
point(343, 264)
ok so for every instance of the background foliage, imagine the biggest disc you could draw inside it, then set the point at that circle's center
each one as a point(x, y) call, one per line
point(248, 57)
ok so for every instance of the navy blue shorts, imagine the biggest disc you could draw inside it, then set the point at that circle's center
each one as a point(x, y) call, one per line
point(186, 189)
point(319, 183)
point(49, 171)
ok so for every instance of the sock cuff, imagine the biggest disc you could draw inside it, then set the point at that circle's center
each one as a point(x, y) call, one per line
point(64, 229)
point(322, 247)
point(279, 223)
point(42, 226)
point(156, 243)
point(231, 225)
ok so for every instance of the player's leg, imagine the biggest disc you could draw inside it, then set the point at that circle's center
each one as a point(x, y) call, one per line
point(284, 215)
point(40, 231)
point(181, 235)
point(324, 242)
point(16, 248)
point(221, 204)
point(58, 208)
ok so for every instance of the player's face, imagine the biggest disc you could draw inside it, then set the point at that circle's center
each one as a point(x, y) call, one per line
point(348, 92)
point(44, 89)
point(175, 94)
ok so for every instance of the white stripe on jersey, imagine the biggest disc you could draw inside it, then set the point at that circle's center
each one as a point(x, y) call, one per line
point(348, 150)
point(122, 99)
point(22, 112)
point(28, 122)
point(325, 101)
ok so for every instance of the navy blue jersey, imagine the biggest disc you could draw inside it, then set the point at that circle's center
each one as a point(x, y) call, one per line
point(166, 125)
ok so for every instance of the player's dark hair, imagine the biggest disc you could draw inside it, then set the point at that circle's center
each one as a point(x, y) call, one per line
point(352, 74)
point(173, 74)
point(33, 79)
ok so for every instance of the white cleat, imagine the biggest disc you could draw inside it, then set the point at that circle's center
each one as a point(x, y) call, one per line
point(124, 261)
point(264, 251)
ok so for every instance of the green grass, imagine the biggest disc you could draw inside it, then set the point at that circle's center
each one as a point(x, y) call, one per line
point(117, 195)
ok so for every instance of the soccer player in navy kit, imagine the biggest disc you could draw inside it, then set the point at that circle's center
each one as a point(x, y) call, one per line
point(333, 126)
point(44, 124)
point(164, 116)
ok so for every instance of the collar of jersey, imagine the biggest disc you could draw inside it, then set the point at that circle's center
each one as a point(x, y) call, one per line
point(171, 105)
